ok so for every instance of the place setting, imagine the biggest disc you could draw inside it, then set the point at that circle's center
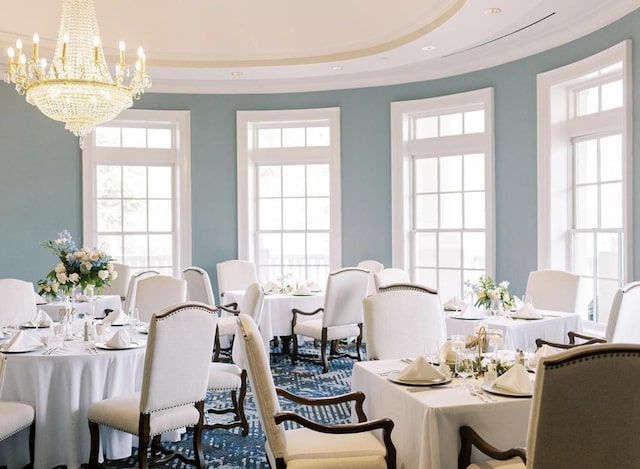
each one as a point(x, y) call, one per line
point(121, 340)
point(420, 373)
point(22, 342)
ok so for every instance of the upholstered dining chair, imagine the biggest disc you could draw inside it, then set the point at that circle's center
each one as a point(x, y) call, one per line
point(158, 292)
point(120, 284)
point(312, 444)
point(199, 285)
point(233, 275)
point(132, 288)
point(174, 386)
point(252, 304)
point(390, 275)
point(18, 302)
point(403, 323)
point(373, 267)
point(596, 429)
point(554, 290)
point(16, 416)
point(623, 325)
point(340, 318)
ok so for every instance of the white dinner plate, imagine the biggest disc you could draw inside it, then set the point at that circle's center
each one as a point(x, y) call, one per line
point(436, 382)
point(526, 319)
point(31, 325)
point(302, 294)
point(23, 350)
point(142, 329)
point(501, 392)
point(468, 318)
point(104, 346)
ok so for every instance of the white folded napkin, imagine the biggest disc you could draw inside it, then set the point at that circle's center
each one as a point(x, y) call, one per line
point(302, 290)
point(83, 298)
point(313, 286)
point(543, 351)
point(120, 339)
point(450, 305)
point(517, 303)
point(117, 317)
point(446, 354)
point(41, 319)
point(515, 380)
point(526, 311)
point(420, 370)
point(22, 341)
point(470, 311)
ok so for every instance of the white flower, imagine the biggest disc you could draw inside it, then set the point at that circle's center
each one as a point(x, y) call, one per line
point(110, 267)
point(74, 277)
point(114, 275)
point(62, 277)
point(103, 274)
point(78, 254)
point(60, 268)
point(94, 256)
point(504, 284)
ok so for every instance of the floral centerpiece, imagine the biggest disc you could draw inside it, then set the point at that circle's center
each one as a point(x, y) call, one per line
point(77, 267)
point(487, 290)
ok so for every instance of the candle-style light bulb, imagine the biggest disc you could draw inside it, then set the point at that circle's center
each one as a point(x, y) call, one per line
point(36, 41)
point(96, 48)
point(122, 48)
point(65, 42)
point(18, 48)
point(11, 54)
point(142, 58)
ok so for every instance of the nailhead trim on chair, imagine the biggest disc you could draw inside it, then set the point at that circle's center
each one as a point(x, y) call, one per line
point(14, 432)
point(596, 357)
point(127, 431)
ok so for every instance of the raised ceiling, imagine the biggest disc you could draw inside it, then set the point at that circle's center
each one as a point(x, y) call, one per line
point(255, 46)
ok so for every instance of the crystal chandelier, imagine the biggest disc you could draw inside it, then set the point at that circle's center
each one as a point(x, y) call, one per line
point(76, 87)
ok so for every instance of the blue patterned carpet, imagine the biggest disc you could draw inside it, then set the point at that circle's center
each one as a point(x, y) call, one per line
point(228, 449)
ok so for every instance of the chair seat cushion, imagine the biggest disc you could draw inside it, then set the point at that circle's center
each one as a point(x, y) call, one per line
point(313, 450)
point(14, 417)
point(227, 325)
point(123, 413)
point(513, 463)
point(313, 328)
point(223, 376)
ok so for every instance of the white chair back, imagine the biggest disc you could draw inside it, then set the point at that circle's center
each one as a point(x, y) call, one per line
point(373, 267)
point(235, 275)
point(346, 288)
point(554, 290)
point(624, 319)
point(198, 285)
point(262, 385)
point(389, 276)
point(120, 284)
point(178, 355)
point(130, 299)
point(3, 371)
point(403, 323)
point(603, 417)
point(158, 292)
point(253, 301)
point(18, 302)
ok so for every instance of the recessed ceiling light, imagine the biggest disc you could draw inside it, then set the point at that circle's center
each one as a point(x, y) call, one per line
point(492, 11)
point(237, 74)
point(336, 67)
point(428, 48)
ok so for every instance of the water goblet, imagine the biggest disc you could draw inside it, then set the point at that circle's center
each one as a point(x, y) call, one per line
point(464, 367)
point(496, 340)
point(458, 342)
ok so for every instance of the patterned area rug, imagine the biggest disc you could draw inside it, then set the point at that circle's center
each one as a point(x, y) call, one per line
point(228, 449)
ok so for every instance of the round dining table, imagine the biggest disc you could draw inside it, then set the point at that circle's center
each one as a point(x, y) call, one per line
point(62, 383)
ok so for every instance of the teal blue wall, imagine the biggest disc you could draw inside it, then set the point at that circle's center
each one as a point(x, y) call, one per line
point(40, 175)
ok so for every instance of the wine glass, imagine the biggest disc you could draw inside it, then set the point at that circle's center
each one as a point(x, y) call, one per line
point(432, 350)
point(464, 367)
point(458, 342)
point(496, 340)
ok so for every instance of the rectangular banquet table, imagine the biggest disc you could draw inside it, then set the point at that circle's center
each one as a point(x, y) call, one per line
point(62, 386)
point(520, 334)
point(427, 419)
point(276, 311)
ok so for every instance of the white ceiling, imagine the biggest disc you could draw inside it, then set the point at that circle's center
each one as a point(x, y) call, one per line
point(247, 46)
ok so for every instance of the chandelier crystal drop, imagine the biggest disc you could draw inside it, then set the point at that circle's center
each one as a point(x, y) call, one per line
point(76, 87)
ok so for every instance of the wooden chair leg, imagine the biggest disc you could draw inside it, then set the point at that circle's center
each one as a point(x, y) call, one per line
point(32, 443)
point(323, 351)
point(294, 349)
point(94, 431)
point(143, 441)
point(243, 392)
point(359, 343)
point(197, 437)
point(216, 346)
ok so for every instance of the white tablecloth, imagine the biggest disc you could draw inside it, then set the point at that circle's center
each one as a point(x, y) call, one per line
point(522, 333)
point(427, 422)
point(100, 303)
point(62, 387)
point(276, 311)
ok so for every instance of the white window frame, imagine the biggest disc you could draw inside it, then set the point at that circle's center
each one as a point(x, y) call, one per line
point(179, 157)
point(403, 149)
point(246, 160)
point(556, 130)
